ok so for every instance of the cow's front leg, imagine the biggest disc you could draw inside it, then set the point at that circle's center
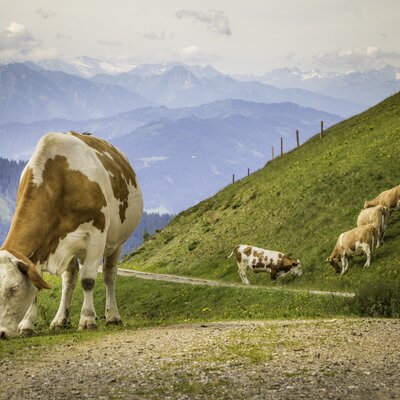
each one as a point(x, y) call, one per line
point(344, 264)
point(25, 327)
point(88, 279)
point(367, 251)
point(242, 274)
point(69, 278)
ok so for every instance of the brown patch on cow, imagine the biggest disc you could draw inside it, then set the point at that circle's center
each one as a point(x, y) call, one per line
point(254, 261)
point(87, 284)
point(247, 251)
point(238, 255)
point(119, 170)
point(46, 213)
point(280, 255)
point(266, 259)
point(286, 264)
point(260, 264)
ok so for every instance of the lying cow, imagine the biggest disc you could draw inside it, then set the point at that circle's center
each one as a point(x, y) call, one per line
point(260, 260)
point(78, 198)
point(389, 198)
point(363, 238)
point(378, 216)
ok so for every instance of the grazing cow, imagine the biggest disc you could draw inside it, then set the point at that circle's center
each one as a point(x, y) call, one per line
point(378, 216)
point(389, 198)
point(261, 260)
point(78, 199)
point(362, 238)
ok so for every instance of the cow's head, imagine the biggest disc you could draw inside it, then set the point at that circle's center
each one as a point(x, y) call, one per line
point(288, 265)
point(19, 283)
point(334, 262)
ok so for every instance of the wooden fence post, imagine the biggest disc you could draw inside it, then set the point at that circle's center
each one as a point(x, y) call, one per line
point(233, 178)
point(248, 171)
point(273, 155)
point(281, 146)
point(322, 129)
point(297, 138)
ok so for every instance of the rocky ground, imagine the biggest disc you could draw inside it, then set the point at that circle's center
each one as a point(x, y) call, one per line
point(319, 359)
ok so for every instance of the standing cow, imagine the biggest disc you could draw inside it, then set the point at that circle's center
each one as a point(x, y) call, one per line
point(361, 239)
point(389, 198)
point(261, 260)
point(378, 216)
point(78, 198)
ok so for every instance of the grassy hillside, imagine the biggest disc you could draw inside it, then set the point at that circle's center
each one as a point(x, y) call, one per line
point(298, 204)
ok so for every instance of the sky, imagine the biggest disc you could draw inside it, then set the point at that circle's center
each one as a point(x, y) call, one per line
point(235, 36)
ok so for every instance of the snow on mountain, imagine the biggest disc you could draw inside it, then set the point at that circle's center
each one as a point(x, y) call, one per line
point(85, 67)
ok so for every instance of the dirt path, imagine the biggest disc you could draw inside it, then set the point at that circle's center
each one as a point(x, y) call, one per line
point(321, 359)
point(208, 282)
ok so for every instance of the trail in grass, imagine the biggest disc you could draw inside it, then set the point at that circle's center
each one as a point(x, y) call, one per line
point(209, 282)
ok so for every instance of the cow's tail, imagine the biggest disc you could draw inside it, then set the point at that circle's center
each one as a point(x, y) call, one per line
point(233, 251)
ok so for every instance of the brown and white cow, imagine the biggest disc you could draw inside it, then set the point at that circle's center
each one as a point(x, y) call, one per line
point(378, 216)
point(261, 260)
point(389, 198)
point(78, 199)
point(363, 238)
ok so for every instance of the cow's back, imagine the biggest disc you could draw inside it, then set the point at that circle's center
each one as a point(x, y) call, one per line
point(91, 183)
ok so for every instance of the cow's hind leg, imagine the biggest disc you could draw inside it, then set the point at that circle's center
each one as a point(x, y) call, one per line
point(69, 279)
point(109, 273)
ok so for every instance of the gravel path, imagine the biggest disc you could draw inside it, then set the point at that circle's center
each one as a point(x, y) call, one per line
point(208, 282)
point(319, 359)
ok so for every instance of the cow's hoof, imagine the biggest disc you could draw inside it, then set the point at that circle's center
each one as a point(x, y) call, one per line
point(89, 327)
point(26, 332)
point(64, 324)
point(114, 321)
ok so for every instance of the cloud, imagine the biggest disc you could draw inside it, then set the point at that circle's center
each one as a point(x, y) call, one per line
point(45, 13)
point(215, 20)
point(18, 44)
point(110, 42)
point(357, 59)
point(157, 35)
point(17, 37)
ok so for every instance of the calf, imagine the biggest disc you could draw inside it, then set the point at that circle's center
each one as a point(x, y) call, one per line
point(362, 238)
point(378, 216)
point(261, 260)
point(389, 198)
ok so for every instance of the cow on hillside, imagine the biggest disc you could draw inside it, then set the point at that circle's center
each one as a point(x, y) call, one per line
point(362, 238)
point(261, 260)
point(389, 198)
point(378, 216)
point(78, 199)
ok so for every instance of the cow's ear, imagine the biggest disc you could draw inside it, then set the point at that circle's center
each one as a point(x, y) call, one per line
point(32, 273)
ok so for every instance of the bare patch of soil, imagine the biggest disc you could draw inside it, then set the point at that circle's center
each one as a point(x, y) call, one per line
point(318, 359)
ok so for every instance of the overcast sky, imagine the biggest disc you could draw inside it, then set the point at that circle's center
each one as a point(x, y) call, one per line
point(236, 36)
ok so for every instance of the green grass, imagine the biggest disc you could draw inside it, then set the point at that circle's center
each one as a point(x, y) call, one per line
point(147, 303)
point(298, 204)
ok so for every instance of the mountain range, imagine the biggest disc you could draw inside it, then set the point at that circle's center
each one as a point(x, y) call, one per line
point(28, 95)
point(184, 155)
point(180, 86)
point(367, 87)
